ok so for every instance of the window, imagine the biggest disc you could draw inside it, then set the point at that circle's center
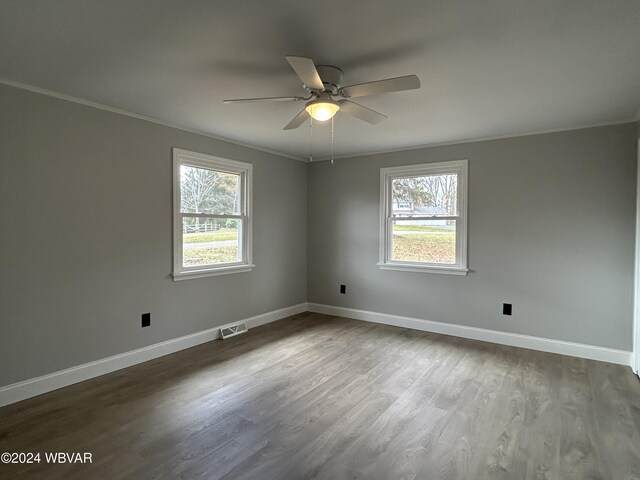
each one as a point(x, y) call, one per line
point(211, 215)
point(423, 218)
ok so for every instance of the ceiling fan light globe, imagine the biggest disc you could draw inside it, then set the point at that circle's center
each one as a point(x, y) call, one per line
point(322, 111)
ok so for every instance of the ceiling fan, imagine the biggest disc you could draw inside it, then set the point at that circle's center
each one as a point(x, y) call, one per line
point(327, 96)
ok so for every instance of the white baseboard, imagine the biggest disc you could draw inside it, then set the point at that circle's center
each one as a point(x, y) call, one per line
point(53, 381)
point(591, 352)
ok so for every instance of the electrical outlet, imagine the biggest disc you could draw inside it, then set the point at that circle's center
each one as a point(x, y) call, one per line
point(146, 319)
point(343, 289)
point(506, 308)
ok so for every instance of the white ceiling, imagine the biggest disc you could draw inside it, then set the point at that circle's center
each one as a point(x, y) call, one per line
point(488, 68)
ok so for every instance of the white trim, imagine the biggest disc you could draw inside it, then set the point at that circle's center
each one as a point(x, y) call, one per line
point(478, 139)
point(184, 128)
point(245, 172)
point(407, 267)
point(188, 275)
point(37, 386)
point(562, 347)
point(53, 381)
point(146, 118)
point(387, 174)
point(635, 364)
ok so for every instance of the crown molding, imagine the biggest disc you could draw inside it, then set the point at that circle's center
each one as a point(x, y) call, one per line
point(89, 103)
point(478, 139)
point(146, 118)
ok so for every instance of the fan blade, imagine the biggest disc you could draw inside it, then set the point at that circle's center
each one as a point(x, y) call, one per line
point(265, 99)
point(297, 120)
point(397, 84)
point(363, 113)
point(306, 71)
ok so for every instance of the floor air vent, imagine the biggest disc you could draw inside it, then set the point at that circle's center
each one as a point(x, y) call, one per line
point(232, 330)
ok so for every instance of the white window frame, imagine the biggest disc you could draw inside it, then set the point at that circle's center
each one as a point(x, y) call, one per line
point(387, 175)
point(245, 170)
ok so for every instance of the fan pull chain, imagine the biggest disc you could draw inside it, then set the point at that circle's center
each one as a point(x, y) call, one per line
point(311, 140)
point(331, 140)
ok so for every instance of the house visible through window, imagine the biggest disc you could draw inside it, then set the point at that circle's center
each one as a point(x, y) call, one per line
point(423, 220)
point(212, 222)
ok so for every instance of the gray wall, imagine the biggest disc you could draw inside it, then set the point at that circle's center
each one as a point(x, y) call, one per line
point(85, 248)
point(551, 230)
point(85, 209)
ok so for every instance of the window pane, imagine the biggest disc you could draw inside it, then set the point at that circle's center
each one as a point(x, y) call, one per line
point(425, 196)
point(209, 191)
point(210, 241)
point(430, 241)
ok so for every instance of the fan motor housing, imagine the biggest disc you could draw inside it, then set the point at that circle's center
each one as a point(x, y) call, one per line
point(330, 75)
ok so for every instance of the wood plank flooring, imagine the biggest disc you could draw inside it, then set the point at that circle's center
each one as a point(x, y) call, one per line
point(314, 396)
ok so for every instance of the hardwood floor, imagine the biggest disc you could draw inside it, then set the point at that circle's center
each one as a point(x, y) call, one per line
point(315, 396)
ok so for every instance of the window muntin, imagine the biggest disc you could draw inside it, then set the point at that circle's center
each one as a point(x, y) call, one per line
point(212, 222)
point(423, 217)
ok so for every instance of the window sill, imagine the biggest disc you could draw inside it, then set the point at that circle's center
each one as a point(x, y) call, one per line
point(190, 274)
point(423, 269)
